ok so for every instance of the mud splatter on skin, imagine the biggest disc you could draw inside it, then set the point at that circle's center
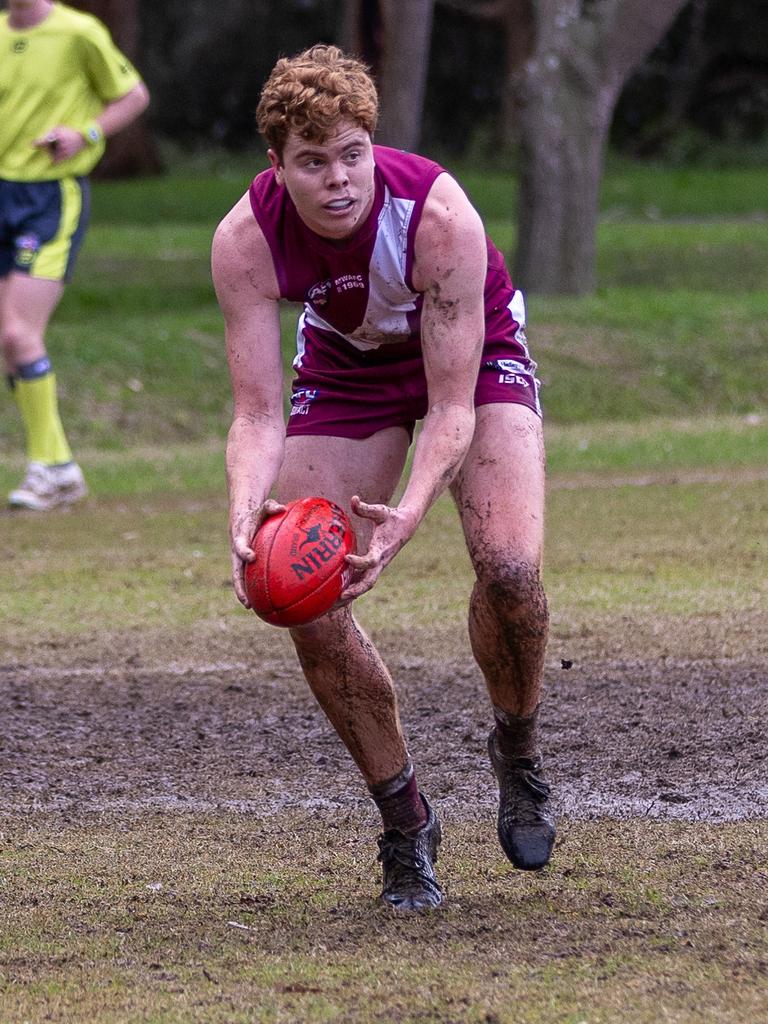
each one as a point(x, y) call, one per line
point(444, 311)
point(532, 430)
point(253, 280)
point(508, 629)
point(355, 690)
point(508, 614)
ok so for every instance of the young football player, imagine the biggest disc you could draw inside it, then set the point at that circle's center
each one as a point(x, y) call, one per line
point(408, 315)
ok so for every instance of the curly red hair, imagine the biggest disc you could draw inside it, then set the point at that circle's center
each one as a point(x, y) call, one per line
point(312, 92)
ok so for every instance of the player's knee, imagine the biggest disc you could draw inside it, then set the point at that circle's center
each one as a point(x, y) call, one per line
point(513, 591)
point(8, 342)
point(15, 341)
point(316, 641)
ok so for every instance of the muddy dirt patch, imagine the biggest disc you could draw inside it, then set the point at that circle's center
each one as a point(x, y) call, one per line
point(668, 739)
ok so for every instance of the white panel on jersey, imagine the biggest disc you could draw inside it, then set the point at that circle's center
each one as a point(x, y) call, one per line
point(517, 308)
point(313, 318)
point(389, 298)
point(300, 342)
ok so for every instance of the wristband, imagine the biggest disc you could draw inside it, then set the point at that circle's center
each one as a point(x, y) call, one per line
point(93, 134)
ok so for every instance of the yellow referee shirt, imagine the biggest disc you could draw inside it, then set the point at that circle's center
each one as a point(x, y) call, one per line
point(63, 71)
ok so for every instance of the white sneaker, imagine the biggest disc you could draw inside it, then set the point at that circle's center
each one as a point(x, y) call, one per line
point(46, 487)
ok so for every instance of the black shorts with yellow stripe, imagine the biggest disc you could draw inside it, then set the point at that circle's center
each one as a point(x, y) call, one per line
point(42, 225)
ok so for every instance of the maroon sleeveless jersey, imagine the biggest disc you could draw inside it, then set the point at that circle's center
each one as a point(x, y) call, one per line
point(359, 302)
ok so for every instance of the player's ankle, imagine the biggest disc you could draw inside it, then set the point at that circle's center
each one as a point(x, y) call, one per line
point(399, 801)
point(516, 735)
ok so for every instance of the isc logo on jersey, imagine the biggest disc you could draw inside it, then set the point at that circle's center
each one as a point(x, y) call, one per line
point(512, 372)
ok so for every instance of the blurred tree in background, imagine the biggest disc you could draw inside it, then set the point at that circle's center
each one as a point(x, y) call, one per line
point(706, 81)
point(565, 66)
point(206, 62)
point(393, 36)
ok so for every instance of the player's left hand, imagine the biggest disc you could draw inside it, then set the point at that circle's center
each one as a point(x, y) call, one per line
point(61, 142)
point(393, 528)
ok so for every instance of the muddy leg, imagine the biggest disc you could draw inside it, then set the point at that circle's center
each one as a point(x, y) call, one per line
point(355, 690)
point(508, 626)
point(343, 668)
point(500, 496)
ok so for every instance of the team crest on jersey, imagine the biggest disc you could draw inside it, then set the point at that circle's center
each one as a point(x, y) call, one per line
point(27, 248)
point(20, 45)
point(318, 293)
point(301, 399)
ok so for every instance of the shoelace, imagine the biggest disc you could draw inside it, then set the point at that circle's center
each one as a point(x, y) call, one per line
point(524, 789)
point(33, 475)
point(538, 788)
point(394, 853)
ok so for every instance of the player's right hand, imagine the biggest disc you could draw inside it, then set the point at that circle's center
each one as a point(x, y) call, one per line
point(243, 528)
point(61, 142)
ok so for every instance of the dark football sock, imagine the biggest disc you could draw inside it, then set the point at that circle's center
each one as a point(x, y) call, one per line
point(517, 736)
point(399, 801)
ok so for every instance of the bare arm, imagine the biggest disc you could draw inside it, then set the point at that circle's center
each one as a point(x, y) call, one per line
point(450, 269)
point(65, 141)
point(121, 112)
point(246, 287)
point(451, 264)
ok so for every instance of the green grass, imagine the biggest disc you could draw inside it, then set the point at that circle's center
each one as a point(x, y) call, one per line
point(660, 445)
point(196, 190)
point(206, 185)
point(171, 925)
point(633, 190)
point(628, 353)
point(609, 448)
point(228, 918)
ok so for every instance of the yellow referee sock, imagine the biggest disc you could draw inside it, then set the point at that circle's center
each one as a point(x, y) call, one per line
point(38, 404)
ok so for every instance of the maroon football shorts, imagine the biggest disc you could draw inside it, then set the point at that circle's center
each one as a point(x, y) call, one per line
point(340, 391)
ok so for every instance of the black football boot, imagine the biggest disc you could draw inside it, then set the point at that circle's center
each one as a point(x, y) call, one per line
point(526, 822)
point(407, 863)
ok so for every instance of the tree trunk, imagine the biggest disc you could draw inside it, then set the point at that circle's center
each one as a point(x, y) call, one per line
point(564, 112)
point(567, 92)
point(517, 24)
point(407, 35)
point(132, 153)
point(393, 36)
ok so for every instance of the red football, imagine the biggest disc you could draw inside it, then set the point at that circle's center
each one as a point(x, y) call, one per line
point(300, 568)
